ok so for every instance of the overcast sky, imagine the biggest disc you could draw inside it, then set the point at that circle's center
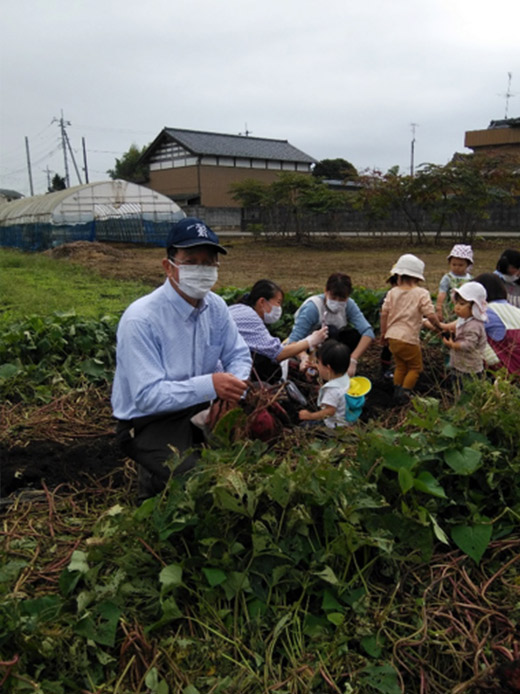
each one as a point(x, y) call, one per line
point(336, 78)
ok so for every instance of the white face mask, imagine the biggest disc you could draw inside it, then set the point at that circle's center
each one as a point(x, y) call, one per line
point(273, 315)
point(195, 280)
point(335, 306)
point(510, 279)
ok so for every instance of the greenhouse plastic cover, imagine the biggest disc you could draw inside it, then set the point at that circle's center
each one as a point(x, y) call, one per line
point(81, 204)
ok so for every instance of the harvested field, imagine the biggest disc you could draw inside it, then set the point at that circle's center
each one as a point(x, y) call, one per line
point(367, 261)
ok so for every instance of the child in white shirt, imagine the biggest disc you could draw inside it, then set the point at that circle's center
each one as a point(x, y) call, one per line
point(333, 359)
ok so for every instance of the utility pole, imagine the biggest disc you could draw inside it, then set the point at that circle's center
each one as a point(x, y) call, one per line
point(412, 149)
point(62, 124)
point(72, 157)
point(29, 165)
point(85, 167)
point(48, 171)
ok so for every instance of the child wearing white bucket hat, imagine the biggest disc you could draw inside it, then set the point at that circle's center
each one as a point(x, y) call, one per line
point(402, 314)
point(460, 262)
point(468, 345)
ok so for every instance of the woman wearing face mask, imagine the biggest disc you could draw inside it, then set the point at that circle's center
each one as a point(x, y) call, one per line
point(257, 309)
point(508, 269)
point(340, 314)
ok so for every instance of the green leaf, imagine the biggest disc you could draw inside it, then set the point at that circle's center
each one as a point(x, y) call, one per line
point(11, 570)
point(405, 478)
point(78, 562)
point(44, 609)
point(472, 539)
point(68, 580)
point(426, 482)
point(154, 684)
point(463, 462)
point(449, 431)
point(278, 486)
point(329, 602)
point(224, 429)
point(146, 509)
point(328, 575)
point(9, 370)
point(235, 583)
point(214, 576)
point(439, 532)
point(372, 645)
point(100, 625)
point(171, 576)
point(336, 618)
point(382, 678)
point(397, 458)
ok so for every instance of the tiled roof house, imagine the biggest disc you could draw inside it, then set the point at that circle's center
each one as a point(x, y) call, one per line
point(197, 168)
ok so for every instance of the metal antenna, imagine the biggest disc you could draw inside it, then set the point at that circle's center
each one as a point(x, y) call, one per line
point(508, 93)
point(246, 132)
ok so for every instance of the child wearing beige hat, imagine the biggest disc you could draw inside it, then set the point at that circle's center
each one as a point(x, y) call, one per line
point(402, 315)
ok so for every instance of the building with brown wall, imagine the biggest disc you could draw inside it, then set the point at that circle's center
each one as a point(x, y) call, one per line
point(197, 168)
point(501, 136)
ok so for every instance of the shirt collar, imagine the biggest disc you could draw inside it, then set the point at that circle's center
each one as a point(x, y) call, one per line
point(340, 382)
point(183, 308)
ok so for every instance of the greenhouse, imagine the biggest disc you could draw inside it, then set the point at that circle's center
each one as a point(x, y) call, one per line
point(104, 211)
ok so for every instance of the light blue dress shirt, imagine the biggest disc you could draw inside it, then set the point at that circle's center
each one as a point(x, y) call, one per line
point(167, 351)
point(308, 320)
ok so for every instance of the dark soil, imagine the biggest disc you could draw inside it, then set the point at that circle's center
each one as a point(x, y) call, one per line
point(52, 463)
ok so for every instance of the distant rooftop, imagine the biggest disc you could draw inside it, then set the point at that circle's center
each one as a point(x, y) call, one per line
point(504, 123)
point(10, 194)
point(220, 144)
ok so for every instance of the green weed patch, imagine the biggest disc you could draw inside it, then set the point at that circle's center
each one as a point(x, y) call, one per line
point(317, 563)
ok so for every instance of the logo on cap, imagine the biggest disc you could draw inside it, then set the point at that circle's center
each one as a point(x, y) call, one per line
point(201, 230)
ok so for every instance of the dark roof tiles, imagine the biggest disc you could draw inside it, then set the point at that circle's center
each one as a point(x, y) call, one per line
point(218, 144)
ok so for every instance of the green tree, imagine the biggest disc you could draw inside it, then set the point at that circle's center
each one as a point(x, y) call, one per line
point(129, 167)
point(250, 193)
point(290, 199)
point(382, 194)
point(336, 169)
point(57, 183)
point(459, 194)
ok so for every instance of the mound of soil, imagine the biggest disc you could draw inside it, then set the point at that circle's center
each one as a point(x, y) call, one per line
point(117, 261)
point(86, 251)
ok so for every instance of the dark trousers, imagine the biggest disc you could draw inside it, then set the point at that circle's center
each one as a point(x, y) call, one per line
point(148, 441)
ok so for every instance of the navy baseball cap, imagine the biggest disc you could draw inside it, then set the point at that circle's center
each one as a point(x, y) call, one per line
point(189, 232)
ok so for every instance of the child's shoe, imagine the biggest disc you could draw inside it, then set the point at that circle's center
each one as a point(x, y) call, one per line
point(401, 395)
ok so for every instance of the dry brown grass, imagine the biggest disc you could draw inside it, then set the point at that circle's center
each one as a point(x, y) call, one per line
point(367, 261)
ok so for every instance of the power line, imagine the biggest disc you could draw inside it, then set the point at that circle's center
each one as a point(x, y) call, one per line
point(12, 172)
